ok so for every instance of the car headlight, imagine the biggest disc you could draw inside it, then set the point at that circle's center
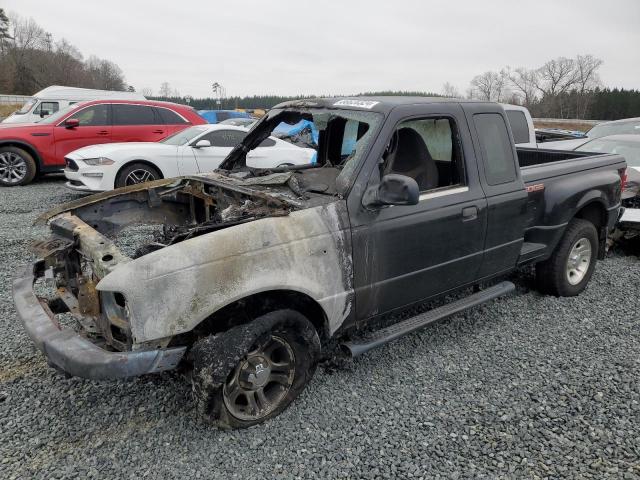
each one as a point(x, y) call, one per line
point(98, 161)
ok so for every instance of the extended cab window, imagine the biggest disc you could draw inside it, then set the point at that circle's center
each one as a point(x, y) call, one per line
point(429, 151)
point(500, 166)
point(124, 114)
point(519, 126)
point(93, 116)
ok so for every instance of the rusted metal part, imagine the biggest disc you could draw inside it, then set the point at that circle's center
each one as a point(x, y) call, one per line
point(88, 299)
point(88, 323)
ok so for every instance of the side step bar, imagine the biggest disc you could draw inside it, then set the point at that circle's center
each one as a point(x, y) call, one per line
point(400, 329)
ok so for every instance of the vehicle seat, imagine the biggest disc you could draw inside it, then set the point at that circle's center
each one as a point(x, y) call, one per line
point(411, 157)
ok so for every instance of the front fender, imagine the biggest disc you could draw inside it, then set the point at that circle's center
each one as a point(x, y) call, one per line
point(172, 290)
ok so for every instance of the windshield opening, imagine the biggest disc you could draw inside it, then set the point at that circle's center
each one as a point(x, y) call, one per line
point(27, 106)
point(184, 136)
point(340, 138)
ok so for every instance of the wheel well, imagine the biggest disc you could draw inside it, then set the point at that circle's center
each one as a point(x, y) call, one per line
point(27, 148)
point(247, 309)
point(595, 213)
point(145, 162)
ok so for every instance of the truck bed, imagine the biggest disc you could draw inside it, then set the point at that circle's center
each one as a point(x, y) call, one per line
point(550, 177)
point(538, 164)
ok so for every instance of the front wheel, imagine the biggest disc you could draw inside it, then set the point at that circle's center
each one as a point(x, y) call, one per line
point(136, 173)
point(17, 167)
point(568, 271)
point(252, 372)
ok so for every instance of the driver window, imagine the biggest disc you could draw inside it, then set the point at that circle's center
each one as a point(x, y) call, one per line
point(429, 151)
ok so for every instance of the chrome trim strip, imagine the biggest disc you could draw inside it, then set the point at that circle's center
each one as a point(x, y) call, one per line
point(442, 193)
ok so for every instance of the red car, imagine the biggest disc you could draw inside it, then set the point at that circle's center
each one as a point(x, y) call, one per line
point(27, 150)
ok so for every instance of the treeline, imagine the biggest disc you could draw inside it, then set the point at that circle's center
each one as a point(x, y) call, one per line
point(31, 59)
point(560, 88)
point(267, 101)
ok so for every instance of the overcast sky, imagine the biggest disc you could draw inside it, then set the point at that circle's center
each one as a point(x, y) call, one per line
point(302, 47)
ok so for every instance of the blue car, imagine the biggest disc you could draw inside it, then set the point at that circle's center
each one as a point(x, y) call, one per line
point(217, 116)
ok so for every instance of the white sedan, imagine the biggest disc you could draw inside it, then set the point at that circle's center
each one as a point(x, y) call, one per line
point(195, 150)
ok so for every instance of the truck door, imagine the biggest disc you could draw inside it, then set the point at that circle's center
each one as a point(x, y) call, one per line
point(405, 254)
point(503, 186)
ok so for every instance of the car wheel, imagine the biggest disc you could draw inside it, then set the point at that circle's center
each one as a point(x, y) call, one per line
point(17, 167)
point(137, 173)
point(568, 271)
point(252, 372)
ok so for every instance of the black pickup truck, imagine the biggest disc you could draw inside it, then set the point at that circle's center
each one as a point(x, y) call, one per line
point(249, 273)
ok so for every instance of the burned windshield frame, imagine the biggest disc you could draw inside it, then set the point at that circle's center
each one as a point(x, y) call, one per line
point(322, 118)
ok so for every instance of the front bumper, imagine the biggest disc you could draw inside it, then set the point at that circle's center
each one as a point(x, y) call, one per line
point(78, 181)
point(77, 355)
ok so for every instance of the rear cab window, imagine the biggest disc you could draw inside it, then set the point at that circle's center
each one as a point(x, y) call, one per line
point(500, 164)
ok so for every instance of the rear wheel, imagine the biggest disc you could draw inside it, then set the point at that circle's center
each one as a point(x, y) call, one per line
point(137, 173)
point(17, 167)
point(568, 271)
point(252, 372)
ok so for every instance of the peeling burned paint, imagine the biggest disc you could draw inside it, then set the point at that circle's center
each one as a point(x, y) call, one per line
point(222, 238)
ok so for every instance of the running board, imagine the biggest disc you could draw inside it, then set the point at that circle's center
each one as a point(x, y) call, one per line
point(400, 329)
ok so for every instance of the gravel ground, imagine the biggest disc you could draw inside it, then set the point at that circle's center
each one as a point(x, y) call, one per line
point(524, 387)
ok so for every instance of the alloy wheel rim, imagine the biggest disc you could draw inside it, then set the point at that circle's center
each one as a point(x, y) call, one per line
point(13, 168)
point(261, 380)
point(578, 261)
point(139, 176)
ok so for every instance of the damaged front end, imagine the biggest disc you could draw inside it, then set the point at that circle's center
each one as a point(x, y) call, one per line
point(93, 237)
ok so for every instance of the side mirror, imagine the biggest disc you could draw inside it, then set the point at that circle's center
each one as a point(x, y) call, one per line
point(202, 144)
point(392, 190)
point(71, 123)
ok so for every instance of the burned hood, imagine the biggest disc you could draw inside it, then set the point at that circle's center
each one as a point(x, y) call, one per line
point(279, 192)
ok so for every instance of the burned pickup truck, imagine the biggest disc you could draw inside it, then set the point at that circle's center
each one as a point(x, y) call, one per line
point(244, 275)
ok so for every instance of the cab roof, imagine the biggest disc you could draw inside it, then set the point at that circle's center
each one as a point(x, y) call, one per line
point(382, 104)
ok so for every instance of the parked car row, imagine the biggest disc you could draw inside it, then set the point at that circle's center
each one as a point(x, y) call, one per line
point(30, 149)
point(197, 149)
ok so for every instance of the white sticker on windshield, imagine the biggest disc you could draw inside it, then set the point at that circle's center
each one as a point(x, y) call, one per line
point(356, 103)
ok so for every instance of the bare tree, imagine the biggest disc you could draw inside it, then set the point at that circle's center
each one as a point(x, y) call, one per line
point(556, 76)
point(147, 92)
point(488, 86)
point(165, 90)
point(448, 90)
point(524, 81)
point(587, 79)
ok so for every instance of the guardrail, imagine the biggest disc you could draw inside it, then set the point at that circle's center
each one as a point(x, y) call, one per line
point(13, 99)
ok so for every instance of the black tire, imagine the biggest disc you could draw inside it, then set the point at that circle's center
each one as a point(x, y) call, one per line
point(226, 362)
point(553, 275)
point(123, 178)
point(17, 167)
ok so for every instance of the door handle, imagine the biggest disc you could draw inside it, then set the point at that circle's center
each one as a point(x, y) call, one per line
point(469, 213)
point(158, 131)
point(103, 132)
